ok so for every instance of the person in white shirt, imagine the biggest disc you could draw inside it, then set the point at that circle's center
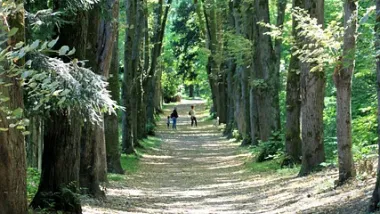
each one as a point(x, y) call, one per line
point(193, 118)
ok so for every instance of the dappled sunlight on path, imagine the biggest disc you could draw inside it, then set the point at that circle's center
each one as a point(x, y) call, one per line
point(196, 170)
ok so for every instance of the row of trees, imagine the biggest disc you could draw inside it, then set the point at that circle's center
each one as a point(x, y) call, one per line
point(63, 94)
point(67, 102)
point(246, 85)
point(246, 40)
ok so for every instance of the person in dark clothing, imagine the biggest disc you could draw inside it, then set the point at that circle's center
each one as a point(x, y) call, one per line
point(193, 118)
point(168, 122)
point(174, 117)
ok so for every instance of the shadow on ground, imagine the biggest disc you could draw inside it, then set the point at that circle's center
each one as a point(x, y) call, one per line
point(196, 170)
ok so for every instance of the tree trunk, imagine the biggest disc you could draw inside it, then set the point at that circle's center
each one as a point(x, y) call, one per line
point(143, 107)
point(92, 139)
point(266, 81)
point(12, 149)
point(312, 101)
point(111, 122)
point(59, 182)
point(12, 155)
point(231, 68)
point(191, 91)
point(293, 142)
point(101, 37)
point(62, 134)
point(343, 81)
point(90, 161)
point(375, 200)
point(33, 142)
point(161, 13)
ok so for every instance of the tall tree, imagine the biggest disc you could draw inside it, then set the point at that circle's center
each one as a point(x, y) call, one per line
point(375, 200)
point(63, 130)
point(312, 88)
point(111, 122)
point(12, 150)
point(101, 37)
point(161, 14)
point(293, 143)
point(266, 80)
point(343, 81)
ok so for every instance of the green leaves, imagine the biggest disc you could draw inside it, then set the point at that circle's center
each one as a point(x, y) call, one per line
point(52, 43)
point(12, 32)
point(63, 50)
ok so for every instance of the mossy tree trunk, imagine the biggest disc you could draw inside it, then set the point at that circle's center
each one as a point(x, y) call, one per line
point(61, 156)
point(266, 80)
point(12, 149)
point(312, 102)
point(59, 184)
point(101, 37)
point(343, 82)
point(375, 200)
point(293, 143)
point(111, 122)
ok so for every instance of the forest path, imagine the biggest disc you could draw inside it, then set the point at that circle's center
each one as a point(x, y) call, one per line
point(196, 170)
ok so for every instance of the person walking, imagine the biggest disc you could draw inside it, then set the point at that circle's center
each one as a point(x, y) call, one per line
point(193, 118)
point(174, 117)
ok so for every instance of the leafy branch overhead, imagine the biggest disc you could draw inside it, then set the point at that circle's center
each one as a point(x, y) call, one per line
point(51, 84)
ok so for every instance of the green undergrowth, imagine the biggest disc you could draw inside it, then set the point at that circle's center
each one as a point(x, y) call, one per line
point(130, 163)
point(32, 182)
point(271, 165)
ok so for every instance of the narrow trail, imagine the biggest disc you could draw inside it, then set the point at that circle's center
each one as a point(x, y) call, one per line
point(196, 170)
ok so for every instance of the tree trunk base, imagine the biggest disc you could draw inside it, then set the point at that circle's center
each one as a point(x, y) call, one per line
point(114, 166)
point(245, 142)
point(289, 162)
point(66, 200)
point(306, 172)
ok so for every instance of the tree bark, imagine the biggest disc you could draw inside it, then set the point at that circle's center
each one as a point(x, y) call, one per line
point(375, 200)
point(90, 161)
point(343, 82)
point(231, 69)
point(33, 142)
point(12, 149)
point(312, 101)
point(111, 122)
point(63, 132)
point(266, 76)
point(161, 14)
point(60, 164)
point(293, 142)
point(101, 37)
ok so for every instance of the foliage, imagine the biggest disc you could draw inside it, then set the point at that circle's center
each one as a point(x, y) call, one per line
point(170, 84)
point(239, 48)
point(49, 82)
point(269, 150)
point(322, 46)
point(59, 85)
point(32, 182)
point(184, 58)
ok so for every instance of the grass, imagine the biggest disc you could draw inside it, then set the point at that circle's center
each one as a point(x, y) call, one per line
point(151, 143)
point(272, 166)
point(32, 182)
point(130, 162)
point(115, 177)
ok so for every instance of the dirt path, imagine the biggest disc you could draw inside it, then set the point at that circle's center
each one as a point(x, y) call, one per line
point(196, 170)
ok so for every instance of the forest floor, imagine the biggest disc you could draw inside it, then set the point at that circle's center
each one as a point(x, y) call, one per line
point(196, 170)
